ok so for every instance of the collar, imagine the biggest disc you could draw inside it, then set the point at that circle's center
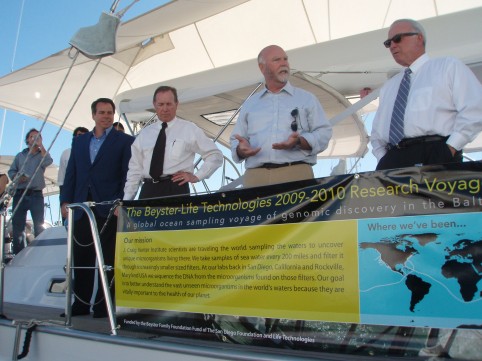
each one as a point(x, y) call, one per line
point(288, 88)
point(105, 134)
point(417, 64)
point(159, 122)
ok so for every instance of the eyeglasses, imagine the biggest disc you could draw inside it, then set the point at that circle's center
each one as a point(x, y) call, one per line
point(294, 124)
point(397, 38)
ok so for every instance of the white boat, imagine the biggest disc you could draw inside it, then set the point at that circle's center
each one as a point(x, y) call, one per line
point(321, 38)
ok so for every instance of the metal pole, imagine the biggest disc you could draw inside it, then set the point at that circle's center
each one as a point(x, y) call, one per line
point(68, 268)
point(2, 248)
point(100, 259)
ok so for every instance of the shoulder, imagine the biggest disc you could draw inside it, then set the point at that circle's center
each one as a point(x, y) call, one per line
point(446, 62)
point(81, 139)
point(126, 137)
point(395, 76)
point(120, 137)
point(185, 124)
point(304, 94)
point(149, 131)
point(450, 68)
point(22, 154)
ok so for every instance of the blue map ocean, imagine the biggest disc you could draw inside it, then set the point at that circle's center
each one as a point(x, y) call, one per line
point(423, 271)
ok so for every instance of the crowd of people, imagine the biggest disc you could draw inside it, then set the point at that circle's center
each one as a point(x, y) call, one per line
point(427, 114)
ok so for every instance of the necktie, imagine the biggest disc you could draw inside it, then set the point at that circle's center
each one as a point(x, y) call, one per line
point(396, 126)
point(157, 161)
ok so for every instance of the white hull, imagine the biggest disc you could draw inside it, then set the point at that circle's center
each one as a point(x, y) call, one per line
point(56, 343)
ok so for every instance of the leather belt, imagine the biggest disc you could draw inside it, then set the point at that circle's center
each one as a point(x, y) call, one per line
point(160, 179)
point(408, 142)
point(280, 165)
point(28, 192)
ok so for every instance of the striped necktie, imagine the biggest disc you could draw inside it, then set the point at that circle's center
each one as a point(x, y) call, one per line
point(396, 126)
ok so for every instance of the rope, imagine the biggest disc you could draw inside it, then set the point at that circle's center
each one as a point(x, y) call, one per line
point(26, 342)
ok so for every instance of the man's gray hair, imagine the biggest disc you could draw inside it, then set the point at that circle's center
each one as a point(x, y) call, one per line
point(417, 27)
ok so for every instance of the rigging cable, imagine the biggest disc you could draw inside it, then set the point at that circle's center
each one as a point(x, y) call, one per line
point(14, 184)
point(11, 67)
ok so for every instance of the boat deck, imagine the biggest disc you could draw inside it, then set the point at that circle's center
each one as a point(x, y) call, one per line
point(94, 334)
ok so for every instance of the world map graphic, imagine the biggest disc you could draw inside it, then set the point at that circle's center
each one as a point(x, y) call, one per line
point(421, 271)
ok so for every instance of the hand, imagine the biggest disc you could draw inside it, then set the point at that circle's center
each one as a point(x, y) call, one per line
point(452, 150)
point(64, 210)
point(23, 179)
point(244, 149)
point(184, 177)
point(288, 144)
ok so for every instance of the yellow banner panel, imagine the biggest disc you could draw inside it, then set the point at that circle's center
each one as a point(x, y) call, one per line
point(303, 271)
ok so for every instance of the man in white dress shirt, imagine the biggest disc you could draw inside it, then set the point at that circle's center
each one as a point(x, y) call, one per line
point(443, 110)
point(183, 141)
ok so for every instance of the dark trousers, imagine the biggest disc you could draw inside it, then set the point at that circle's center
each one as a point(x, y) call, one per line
point(84, 256)
point(425, 153)
point(163, 189)
point(32, 201)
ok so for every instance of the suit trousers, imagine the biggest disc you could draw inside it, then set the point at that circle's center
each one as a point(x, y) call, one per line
point(163, 188)
point(425, 153)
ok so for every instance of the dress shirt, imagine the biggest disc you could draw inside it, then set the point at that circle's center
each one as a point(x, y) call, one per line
point(64, 160)
point(445, 99)
point(96, 143)
point(266, 119)
point(184, 140)
point(33, 161)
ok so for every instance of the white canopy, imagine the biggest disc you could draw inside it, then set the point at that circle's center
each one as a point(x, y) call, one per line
point(208, 49)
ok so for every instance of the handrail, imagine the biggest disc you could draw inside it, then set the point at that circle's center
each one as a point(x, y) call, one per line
point(2, 248)
point(100, 262)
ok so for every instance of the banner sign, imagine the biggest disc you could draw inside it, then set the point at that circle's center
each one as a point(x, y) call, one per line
point(401, 247)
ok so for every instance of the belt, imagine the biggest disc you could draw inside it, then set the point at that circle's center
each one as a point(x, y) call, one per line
point(408, 142)
point(28, 192)
point(280, 165)
point(160, 179)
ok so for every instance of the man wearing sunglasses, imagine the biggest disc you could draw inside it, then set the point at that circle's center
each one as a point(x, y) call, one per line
point(280, 129)
point(430, 110)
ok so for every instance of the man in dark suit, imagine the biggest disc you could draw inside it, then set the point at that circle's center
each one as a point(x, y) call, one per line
point(96, 171)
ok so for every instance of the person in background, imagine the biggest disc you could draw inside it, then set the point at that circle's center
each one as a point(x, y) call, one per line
point(281, 129)
point(64, 159)
point(27, 172)
point(96, 172)
point(437, 111)
point(118, 126)
point(165, 166)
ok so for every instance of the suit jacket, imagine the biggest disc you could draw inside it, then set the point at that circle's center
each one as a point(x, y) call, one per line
point(104, 179)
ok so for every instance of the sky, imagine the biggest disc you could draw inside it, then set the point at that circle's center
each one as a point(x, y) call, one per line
point(32, 30)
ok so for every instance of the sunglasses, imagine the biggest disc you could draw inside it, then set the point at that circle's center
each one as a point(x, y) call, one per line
point(397, 38)
point(294, 124)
